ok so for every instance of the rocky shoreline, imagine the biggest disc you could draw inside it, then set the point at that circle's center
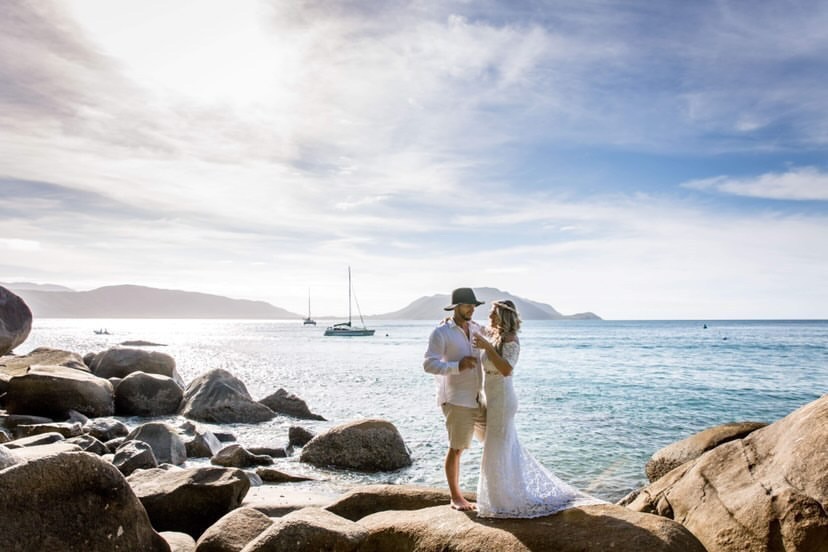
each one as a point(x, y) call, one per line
point(75, 477)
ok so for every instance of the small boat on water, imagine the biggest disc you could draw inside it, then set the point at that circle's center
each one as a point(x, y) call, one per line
point(309, 321)
point(347, 328)
point(102, 331)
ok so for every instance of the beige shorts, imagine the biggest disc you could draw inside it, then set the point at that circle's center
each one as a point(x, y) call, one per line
point(463, 423)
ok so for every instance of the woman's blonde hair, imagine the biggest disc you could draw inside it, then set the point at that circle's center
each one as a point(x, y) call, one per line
point(509, 322)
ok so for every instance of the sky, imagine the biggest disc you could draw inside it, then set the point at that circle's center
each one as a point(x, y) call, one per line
point(636, 159)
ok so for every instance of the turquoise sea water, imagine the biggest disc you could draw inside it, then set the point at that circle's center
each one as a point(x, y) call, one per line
point(597, 398)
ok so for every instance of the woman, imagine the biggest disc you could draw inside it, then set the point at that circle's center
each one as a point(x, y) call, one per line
point(512, 483)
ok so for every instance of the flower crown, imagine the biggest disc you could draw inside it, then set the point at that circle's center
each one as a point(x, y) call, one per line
point(504, 306)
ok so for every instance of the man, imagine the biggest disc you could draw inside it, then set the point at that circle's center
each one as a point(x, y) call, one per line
point(456, 366)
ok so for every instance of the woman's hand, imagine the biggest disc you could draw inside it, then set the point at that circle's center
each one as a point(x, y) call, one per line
point(480, 342)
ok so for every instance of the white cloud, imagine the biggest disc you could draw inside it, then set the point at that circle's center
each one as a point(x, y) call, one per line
point(801, 184)
point(20, 245)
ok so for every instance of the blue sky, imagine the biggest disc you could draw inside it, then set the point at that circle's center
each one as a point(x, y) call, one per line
point(636, 159)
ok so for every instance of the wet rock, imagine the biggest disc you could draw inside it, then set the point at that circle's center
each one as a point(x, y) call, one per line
point(141, 343)
point(272, 475)
point(106, 429)
point(299, 436)
point(366, 445)
point(273, 452)
point(289, 404)
point(236, 456)
point(219, 397)
point(142, 394)
point(166, 444)
point(134, 455)
point(201, 443)
point(15, 321)
point(89, 444)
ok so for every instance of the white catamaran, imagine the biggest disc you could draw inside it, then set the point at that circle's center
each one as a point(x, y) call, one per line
point(345, 328)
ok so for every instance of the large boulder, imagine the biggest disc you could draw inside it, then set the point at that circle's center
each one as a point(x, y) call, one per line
point(309, 529)
point(142, 394)
point(55, 390)
point(189, 500)
point(119, 362)
point(589, 529)
point(365, 445)
point(220, 397)
point(42, 356)
point(134, 455)
point(15, 321)
point(72, 501)
point(289, 404)
point(766, 492)
point(233, 531)
point(166, 444)
point(370, 499)
point(676, 454)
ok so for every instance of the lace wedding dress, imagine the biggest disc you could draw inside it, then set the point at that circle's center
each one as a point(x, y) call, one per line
point(512, 483)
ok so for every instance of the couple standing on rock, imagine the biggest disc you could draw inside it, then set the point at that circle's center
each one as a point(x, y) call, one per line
point(473, 366)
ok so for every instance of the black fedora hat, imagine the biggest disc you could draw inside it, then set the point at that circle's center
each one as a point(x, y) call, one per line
point(463, 296)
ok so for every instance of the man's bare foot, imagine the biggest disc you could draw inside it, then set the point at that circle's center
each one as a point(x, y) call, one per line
point(462, 504)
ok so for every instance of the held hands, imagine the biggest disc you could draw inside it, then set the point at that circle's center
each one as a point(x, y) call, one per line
point(467, 363)
point(480, 342)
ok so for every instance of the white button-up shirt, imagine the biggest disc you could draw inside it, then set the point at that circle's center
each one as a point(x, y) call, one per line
point(447, 345)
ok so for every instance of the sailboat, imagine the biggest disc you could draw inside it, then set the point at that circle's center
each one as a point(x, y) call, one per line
point(309, 321)
point(345, 328)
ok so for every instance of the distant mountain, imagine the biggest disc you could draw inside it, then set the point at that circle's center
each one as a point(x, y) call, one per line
point(431, 308)
point(28, 286)
point(142, 302)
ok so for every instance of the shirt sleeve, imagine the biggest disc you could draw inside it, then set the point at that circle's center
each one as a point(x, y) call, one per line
point(511, 352)
point(434, 363)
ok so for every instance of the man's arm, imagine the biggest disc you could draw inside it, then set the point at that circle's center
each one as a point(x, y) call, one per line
point(433, 362)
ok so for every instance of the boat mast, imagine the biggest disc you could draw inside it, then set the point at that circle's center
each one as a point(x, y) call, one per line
point(349, 295)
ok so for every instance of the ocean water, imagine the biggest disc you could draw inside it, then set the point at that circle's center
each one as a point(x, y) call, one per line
point(597, 398)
